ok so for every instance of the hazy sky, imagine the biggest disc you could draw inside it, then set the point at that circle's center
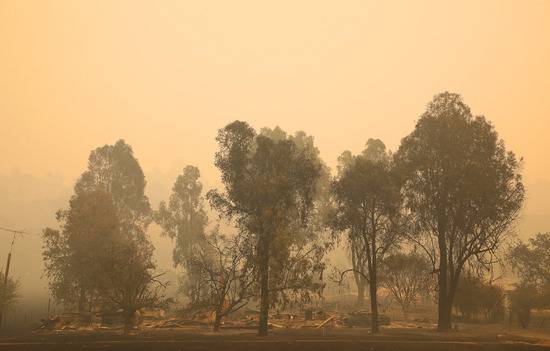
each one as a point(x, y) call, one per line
point(165, 75)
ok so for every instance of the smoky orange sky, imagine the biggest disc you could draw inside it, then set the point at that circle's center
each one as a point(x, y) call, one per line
point(166, 75)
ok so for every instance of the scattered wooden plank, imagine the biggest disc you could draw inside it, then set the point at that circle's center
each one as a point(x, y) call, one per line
point(325, 322)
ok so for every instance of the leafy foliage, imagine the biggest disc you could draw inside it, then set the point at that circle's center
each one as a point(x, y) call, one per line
point(475, 297)
point(523, 299)
point(101, 255)
point(115, 170)
point(8, 293)
point(184, 220)
point(463, 188)
point(71, 254)
point(407, 276)
point(270, 186)
point(368, 208)
point(532, 260)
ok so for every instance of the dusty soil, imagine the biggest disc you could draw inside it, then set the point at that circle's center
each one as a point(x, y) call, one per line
point(279, 339)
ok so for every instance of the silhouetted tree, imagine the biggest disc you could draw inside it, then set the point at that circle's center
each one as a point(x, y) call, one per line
point(406, 276)
point(224, 273)
point(463, 189)
point(183, 219)
point(114, 169)
point(368, 207)
point(269, 187)
point(8, 295)
point(523, 299)
point(357, 251)
point(474, 296)
point(71, 254)
point(532, 260)
point(296, 264)
point(102, 252)
point(129, 281)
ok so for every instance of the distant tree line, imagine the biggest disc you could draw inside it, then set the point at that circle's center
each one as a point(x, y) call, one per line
point(422, 219)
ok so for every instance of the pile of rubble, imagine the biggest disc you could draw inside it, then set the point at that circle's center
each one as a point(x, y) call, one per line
point(65, 321)
point(309, 320)
point(173, 323)
point(203, 320)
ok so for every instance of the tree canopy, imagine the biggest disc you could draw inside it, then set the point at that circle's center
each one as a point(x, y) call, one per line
point(270, 186)
point(463, 188)
point(183, 219)
point(101, 255)
point(368, 208)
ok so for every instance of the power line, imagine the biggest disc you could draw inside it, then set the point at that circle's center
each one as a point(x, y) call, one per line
point(15, 231)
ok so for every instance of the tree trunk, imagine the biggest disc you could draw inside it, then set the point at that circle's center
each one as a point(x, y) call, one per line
point(83, 314)
point(373, 280)
point(217, 320)
point(375, 329)
point(444, 310)
point(444, 305)
point(81, 301)
point(447, 289)
point(359, 279)
point(360, 292)
point(264, 285)
point(405, 310)
point(128, 321)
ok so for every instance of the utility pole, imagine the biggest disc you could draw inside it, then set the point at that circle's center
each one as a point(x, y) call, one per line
point(7, 272)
